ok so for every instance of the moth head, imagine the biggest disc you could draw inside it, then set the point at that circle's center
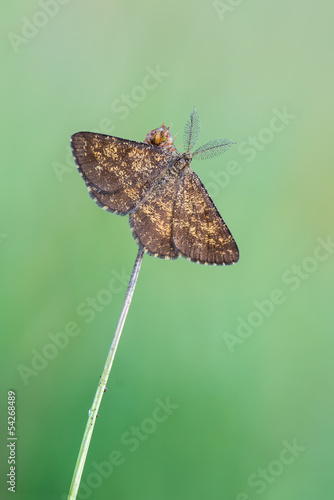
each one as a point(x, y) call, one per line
point(161, 137)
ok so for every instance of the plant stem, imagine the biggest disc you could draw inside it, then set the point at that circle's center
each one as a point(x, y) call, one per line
point(92, 414)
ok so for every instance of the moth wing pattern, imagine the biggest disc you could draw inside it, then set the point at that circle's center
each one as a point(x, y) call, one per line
point(151, 224)
point(199, 232)
point(117, 172)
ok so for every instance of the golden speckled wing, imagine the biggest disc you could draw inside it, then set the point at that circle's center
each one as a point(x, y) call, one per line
point(199, 232)
point(118, 173)
point(152, 223)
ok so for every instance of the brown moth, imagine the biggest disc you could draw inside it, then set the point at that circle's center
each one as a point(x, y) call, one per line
point(170, 212)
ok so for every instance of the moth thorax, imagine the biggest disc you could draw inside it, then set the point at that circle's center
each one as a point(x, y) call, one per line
point(161, 137)
point(181, 163)
point(187, 157)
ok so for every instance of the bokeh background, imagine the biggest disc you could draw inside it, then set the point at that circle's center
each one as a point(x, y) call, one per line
point(242, 355)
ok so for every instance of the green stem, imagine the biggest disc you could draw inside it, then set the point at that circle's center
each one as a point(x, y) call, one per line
point(92, 414)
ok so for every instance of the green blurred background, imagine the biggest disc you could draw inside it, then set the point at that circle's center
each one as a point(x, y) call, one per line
point(252, 406)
